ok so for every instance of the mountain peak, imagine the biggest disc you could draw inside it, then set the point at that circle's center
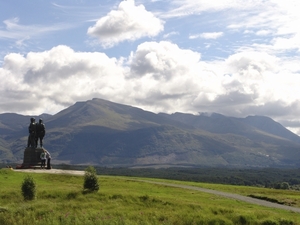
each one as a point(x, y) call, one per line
point(102, 132)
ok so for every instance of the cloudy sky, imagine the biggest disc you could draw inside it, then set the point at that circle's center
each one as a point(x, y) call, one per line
point(233, 57)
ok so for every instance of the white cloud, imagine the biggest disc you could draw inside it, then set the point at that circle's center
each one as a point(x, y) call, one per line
point(16, 31)
point(163, 60)
point(263, 32)
point(207, 35)
point(289, 43)
point(275, 20)
point(188, 7)
point(128, 22)
point(253, 63)
point(57, 78)
point(170, 34)
point(255, 70)
point(160, 76)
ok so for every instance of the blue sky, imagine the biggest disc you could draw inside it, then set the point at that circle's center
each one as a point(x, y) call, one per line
point(233, 57)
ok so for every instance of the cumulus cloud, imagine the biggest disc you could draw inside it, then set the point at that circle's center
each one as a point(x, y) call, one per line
point(246, 83)
point(163, 60)
point(252, 66)
point(128, 22)
point(158, 76)
point(56, 78)
point(252, 63)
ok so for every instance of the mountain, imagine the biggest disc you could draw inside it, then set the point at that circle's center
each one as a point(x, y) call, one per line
point(104, 133)
point(257, 128)
point(13, 127)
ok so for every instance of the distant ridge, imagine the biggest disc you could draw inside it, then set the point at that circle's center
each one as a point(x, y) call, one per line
point(105, 133)
point(217, 123)
point(270, 126)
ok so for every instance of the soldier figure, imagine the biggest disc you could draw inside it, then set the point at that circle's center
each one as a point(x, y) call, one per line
point(32, 133)
point(40, 132)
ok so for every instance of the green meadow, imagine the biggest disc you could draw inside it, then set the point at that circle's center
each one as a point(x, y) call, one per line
point(60, 199)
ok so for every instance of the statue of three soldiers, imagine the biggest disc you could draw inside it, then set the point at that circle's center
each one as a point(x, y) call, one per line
point(36, 133)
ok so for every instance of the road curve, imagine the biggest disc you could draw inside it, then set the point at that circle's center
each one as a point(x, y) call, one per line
point(229, 195)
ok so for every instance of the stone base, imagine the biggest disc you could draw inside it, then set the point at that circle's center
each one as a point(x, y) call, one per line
point(32, 158)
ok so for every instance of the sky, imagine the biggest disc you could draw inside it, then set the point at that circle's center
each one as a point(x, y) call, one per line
point(233, 57)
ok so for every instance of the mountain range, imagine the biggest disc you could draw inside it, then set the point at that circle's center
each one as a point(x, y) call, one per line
point(105, 133)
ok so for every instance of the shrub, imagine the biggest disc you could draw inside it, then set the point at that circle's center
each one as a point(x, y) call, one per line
point(90, 180)
point(269, 222)
point(285, 185)
point(28, 188)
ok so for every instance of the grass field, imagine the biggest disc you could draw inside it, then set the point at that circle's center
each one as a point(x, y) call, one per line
point(60, 200)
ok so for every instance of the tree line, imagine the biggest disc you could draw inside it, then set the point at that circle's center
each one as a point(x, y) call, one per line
point(278, 178)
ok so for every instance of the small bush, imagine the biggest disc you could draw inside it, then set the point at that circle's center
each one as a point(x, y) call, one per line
point(28, 188)
point(269, 222)
point(3, 209)
point(144, 198)
point(90, 180)
point(286, 222)
point(72, 195)
point(116, 197)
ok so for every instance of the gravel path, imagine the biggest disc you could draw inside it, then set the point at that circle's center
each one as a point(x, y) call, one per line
point(210, 191)
point(229, 195)
point(54, 171)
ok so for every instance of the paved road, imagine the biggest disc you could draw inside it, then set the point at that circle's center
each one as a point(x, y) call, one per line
point(220, 193)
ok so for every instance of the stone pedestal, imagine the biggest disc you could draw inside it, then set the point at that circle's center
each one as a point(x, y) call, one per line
point(32, 157)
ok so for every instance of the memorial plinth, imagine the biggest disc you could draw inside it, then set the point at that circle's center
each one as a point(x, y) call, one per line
point(32, 157)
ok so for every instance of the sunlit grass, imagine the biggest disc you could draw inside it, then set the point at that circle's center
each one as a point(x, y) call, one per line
point(121, 200)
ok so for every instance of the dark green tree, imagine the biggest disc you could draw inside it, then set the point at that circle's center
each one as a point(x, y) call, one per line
point(28, 188)
point(90, 180)
point(285, 185)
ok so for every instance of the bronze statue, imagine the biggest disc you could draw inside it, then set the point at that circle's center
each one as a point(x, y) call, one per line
point(32, 133)
point(40, 132)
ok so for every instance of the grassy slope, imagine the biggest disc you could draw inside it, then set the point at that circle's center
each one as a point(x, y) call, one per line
point(122, 201)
